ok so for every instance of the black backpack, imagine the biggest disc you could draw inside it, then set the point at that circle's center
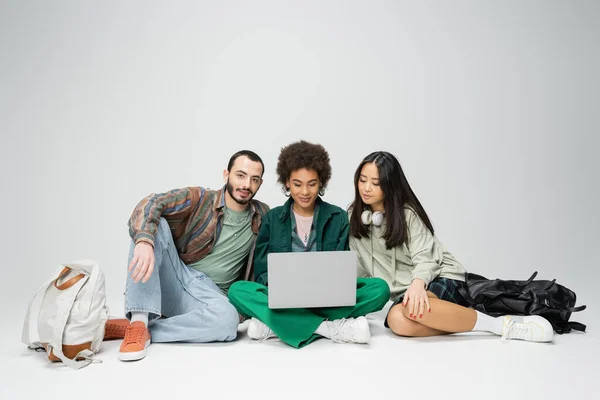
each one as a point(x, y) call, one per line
point(547, 299)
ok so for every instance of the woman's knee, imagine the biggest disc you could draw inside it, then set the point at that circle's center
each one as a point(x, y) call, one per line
point(399, 323)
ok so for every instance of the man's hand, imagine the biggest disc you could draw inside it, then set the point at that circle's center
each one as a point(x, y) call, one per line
point(143, 261)
point(416, 299)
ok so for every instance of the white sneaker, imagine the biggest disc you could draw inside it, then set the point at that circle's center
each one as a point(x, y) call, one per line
point(259, 331)
point(531, 328)
point(350, 330)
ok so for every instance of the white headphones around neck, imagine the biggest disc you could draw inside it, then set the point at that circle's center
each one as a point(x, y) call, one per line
point(369, 218)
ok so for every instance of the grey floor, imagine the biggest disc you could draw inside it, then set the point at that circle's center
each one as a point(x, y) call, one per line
point(466, 366)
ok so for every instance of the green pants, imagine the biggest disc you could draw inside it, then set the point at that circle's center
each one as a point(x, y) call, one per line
point(296, 326)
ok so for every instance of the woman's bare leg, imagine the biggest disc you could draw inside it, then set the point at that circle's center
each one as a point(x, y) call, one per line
point(444, 316)
point(404, 326)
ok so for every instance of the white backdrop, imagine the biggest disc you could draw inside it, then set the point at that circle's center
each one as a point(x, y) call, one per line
point(491, 107)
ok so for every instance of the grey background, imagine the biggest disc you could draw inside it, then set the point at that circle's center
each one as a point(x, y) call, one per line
point(491, 107)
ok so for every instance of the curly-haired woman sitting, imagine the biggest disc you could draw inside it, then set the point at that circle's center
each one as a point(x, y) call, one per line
point(305, 223)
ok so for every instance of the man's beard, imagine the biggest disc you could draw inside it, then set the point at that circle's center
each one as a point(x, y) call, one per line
point(231, 191)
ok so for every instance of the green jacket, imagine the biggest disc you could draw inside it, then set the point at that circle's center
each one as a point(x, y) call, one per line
point(275, 235)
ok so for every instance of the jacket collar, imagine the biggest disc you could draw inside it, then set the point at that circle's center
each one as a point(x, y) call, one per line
point(325, 211)
point(220, 202)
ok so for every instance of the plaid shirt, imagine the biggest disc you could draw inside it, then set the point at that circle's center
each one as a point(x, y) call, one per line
point(297, 243)
point(195, 216)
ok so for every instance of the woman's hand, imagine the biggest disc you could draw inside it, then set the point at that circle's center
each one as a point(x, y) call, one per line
point(416, 299)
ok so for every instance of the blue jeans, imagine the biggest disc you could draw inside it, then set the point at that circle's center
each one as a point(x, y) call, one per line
point(195, 308)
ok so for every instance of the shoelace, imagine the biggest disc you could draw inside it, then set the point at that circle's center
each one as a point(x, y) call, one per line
point(133, 335)
point(341, 331)
point(264, 334)
point(515, 329)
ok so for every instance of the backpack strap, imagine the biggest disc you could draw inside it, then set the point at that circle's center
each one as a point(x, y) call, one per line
point(564, 308)
point(528, 281)
point(59, 328)
point(566, 327)
point(577, 326)
point(92, 269)
point(30, 336)
point(575, 309)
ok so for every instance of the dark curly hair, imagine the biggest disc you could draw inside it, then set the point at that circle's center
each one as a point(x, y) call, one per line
point(307, 155)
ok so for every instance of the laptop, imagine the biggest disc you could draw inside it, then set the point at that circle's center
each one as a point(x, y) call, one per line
point(312, 279)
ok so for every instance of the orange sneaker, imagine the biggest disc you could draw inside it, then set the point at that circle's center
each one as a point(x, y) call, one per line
point(115, 329)
point(137, 340)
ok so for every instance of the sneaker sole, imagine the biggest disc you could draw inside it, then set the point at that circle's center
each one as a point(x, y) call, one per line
point(536, 339)
point(134, 355)
point(539, 339)
point(532, 340)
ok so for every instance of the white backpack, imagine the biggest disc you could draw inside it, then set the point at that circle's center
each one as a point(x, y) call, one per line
point(67, 315)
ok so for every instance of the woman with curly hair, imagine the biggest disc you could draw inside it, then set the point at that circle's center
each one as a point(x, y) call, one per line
point(305, 223)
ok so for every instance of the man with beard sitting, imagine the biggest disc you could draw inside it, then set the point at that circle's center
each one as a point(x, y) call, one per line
point(188, 247)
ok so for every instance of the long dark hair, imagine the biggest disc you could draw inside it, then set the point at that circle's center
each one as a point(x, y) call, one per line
point(397, 194)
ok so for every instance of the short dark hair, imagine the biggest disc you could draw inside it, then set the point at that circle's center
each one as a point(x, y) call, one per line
point(307, 155)
point(251, 155)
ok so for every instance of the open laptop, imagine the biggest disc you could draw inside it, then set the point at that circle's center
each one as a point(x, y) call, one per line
point(312, 279)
